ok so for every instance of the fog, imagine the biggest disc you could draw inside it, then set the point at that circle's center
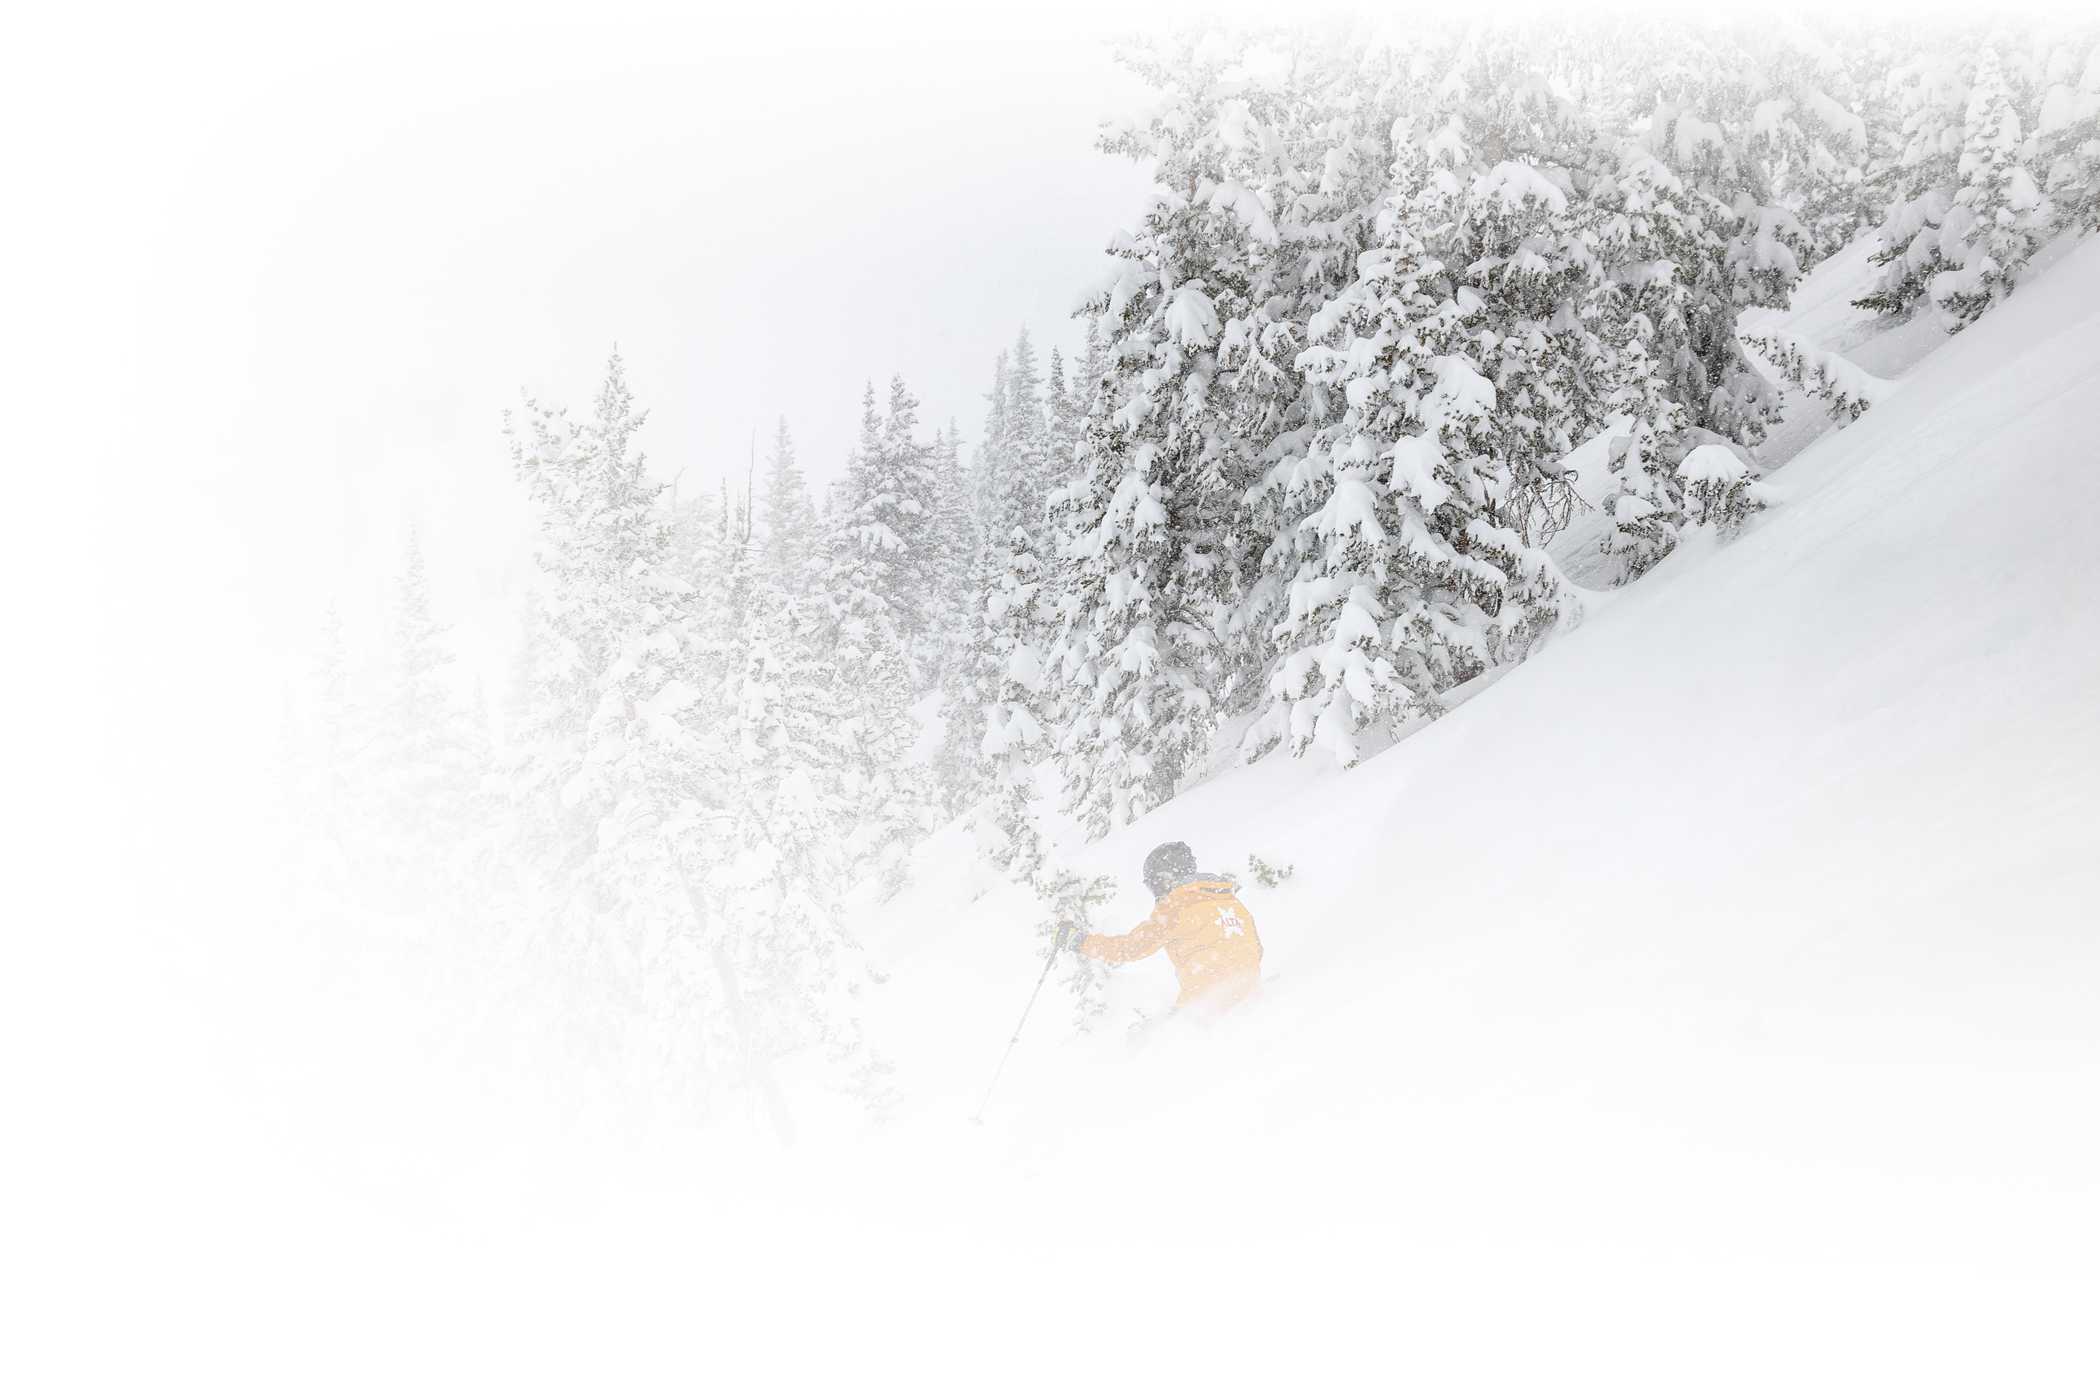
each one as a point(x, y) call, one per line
point(583, 976)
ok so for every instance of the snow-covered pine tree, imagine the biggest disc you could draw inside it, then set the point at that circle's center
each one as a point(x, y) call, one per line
point(1019, 625)
point(1999, 214)
point(708, 556)
point(789, 518)
point(1401, 580)
point(1065, 412)
point(1749, 247)
point(1087, 384)
point(431, 758)
point(861, 631)
point(1648, 236)
point(1135, 716)
point(913, 482)
point(797, 801)
point(1009, 473)
point(2067, 133)
point(987, 462)
point(1015, 737)
point(1805, 128)
point(956, 545)
point(1024, 466)
point(990, 731)
point(1324, 126)
point(958, 768)
point(1071, 900)
point(887, 535)
point(1928, 93)
point(1720, 487)
point(699, 537)
point(1494, 202)
point(612, 777)
point(1156, 559)
point(1016, 636)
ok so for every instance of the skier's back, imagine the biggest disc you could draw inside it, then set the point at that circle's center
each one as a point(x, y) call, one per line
point(1199, 922)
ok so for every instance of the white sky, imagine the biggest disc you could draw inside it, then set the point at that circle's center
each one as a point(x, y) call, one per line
point(337, 255)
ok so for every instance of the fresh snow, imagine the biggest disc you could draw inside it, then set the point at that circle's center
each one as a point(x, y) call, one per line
point(1703, 1007)
point(1750, 1053)
point(1770, 1008)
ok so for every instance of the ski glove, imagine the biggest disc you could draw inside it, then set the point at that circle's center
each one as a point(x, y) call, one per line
point(1069, 937)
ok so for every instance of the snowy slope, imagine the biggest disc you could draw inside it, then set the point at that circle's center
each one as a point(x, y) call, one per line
point(1751, 1051)
point(1757, 1039)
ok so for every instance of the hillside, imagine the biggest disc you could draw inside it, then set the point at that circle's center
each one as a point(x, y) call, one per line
point(560, 545)
point(1752, 1055)
point(1770, 1013)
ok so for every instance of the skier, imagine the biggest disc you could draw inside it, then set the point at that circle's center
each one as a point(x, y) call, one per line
point(1207, 934)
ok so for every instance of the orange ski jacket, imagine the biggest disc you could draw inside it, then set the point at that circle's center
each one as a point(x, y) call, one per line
point(1207, 934)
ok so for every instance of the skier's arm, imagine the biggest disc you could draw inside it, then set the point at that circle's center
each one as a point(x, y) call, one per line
point(1141, 942)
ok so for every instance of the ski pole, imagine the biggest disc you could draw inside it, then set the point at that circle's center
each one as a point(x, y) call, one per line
point(1055, 949)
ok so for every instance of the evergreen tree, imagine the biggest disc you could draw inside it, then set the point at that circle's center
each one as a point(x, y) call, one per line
point(1999, 213)
point(1740, 246)
point(1025, 464)
point(432, 755)
point(1066, 413)
point(1015, 734)
point(610, 779)
point(1928, 93)
point(1015, 470)
point(870, 567)
point(869, 663)
point(988, 464)
point(1013, 632)
point(798, 800)
point(790, 518)
point(957, 765)
point(1649, 234)
point(955, 543)
point(2067, 133)
point(1174, 439)
point(913, 487)
point(887, 541)
point(1403, 577)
